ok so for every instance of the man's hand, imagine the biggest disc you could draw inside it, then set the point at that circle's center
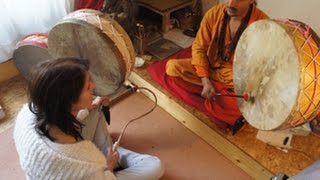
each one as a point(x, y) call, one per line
point(208, 90)
point(112, 159)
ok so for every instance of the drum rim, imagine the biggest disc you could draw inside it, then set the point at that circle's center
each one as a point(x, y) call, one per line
point(25, 42)
point(316, 40)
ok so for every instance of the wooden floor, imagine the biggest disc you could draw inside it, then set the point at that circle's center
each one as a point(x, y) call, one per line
point(258, 159)
point(12, 96)
point(158, 133)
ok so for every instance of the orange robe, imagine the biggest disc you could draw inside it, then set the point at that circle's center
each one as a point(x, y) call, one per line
point(205, 61)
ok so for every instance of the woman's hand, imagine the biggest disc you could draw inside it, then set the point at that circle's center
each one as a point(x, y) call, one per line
point(100, 101)
point(112, 159)
point(208, 90)
point(104, 101)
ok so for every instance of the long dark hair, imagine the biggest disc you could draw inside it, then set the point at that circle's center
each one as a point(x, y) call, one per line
point(56, 85)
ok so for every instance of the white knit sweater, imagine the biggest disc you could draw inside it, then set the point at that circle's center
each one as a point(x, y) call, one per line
point(42, 159)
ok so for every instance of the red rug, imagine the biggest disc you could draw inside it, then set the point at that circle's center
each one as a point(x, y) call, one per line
point(157, 72)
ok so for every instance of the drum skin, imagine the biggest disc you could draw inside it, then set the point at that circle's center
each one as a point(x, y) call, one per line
point(29, 51)
point(92, 35)
point(277, 64)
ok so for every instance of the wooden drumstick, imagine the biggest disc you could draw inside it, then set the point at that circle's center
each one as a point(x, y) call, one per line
point(245, 96)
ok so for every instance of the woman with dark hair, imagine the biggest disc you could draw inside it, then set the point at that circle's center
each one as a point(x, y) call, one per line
point(53, 139)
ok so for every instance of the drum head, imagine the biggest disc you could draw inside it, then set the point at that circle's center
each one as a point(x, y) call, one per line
point(81, 38)
point(266, 66)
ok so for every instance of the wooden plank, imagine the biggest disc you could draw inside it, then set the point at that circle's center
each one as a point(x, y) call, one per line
point(215, 139)
point(8, 70)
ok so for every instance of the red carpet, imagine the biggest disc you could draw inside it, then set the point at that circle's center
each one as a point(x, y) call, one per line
point(223, 110)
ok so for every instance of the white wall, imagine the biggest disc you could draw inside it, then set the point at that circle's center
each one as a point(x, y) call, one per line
point(306, 11)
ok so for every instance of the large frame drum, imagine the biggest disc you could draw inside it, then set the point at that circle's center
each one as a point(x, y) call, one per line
point(277, 63)
point(92, 35)
point(29, 51)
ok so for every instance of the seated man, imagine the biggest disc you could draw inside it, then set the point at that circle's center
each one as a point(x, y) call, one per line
point(212, 57)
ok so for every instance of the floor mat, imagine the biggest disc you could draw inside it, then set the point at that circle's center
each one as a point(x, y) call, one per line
point(163, 48)
point(157, 73)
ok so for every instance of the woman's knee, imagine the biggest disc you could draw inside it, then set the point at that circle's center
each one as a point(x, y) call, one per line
point(159, 168)
point(155, 167)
